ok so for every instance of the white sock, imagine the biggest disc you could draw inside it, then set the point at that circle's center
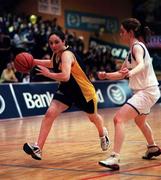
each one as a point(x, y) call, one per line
point(101, 137)
point(150, 145)
point(116, 154)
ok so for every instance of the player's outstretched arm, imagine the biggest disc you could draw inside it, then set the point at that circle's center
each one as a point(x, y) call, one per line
point(111, 76)
point(43, 62)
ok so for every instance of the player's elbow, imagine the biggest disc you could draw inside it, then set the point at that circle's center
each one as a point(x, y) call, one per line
point(65, 78)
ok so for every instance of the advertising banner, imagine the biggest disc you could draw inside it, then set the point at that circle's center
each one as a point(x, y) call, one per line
point(112, 93)
point(34, 98)
point(8, 107)
point(90, 22)
point(159, 101)
point(22, 100)
point(154, 42)
point(117, 51)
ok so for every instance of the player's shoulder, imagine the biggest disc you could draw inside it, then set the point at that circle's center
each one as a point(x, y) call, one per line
point(138, 47)
point(68, 52)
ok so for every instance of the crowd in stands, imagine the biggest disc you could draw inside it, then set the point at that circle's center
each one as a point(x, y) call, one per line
point(20, 33)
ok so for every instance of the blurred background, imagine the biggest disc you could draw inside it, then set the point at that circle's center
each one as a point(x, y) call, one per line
point(91, 28)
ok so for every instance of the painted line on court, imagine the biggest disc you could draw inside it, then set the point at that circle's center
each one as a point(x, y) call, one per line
point(142, 175)
point(106, 172)
point(111, 173)
point(48, 168)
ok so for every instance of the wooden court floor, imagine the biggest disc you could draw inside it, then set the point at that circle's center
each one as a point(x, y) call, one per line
point(72, 149)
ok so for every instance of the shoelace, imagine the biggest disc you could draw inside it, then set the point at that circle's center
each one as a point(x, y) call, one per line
point(37, 150)
point(113, 155)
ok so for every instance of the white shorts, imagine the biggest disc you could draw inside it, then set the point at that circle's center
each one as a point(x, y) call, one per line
point(143, 100)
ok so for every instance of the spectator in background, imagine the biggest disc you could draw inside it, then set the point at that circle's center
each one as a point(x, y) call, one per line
point(80, 46)
point(8, 75)
point(26, 35)
point(26, 78)
point(18, 74)
point(5, 50)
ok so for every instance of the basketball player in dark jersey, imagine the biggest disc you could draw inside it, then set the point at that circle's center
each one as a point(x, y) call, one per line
point(74, 88)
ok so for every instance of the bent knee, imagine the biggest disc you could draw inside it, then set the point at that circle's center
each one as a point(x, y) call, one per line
point(52, 112)
point(49, 113)
point(93, 117)
point(137, 122)
point(117, 119)
point(140, 123)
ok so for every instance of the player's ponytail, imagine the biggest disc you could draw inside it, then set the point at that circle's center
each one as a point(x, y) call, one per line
point(140, 32)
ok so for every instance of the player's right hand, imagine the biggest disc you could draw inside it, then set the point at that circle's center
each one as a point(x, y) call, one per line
point(124, 72)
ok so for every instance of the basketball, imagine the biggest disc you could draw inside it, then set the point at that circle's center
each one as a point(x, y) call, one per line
point(23, 62)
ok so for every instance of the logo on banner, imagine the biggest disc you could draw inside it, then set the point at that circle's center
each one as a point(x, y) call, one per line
point(37, 100)
point(116, 94)
point(90, 21)
point(2, 104)
point(73, 20)
point(117, 51)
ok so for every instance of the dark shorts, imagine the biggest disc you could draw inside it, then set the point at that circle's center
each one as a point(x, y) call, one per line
point(77, 99)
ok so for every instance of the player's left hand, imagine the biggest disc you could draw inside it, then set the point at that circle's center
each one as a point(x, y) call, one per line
point(43, 71)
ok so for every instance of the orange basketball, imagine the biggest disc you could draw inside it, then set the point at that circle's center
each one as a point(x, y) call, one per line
point(23, 62)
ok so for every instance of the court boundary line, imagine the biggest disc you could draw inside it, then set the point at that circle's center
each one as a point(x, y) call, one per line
point(109, 172)
point(121, 172)
point(142, 175)
point(49, 168)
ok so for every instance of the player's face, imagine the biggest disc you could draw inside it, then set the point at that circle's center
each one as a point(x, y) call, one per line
point(123, 34)
point(56, 44)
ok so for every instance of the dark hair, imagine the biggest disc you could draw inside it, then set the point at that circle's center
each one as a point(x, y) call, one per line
point(58, 33)
point(138, 29)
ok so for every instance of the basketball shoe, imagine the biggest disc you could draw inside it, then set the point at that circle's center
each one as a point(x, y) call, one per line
point(112, 162)
point(32, 150)
point(152, 150)
point(105, 141)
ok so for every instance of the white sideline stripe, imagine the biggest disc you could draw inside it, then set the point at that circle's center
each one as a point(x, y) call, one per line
point(15, 99)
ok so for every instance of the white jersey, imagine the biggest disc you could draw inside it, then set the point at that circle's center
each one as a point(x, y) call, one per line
point(146, 78)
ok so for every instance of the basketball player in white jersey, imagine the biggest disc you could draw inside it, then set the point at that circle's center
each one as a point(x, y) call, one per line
point(142, 80)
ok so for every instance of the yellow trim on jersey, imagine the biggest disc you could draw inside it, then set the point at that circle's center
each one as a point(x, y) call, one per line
point(85, 85)
point(95, 100)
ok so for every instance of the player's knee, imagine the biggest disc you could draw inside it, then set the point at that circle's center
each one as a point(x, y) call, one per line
point(48, 113)
point(93, 117)
point(139, 123)
point(51, 113)
point(117, 120)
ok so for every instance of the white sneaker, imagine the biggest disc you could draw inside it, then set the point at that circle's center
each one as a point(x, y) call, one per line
point(32, 150)
point(105, 141)
point(112, 162)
